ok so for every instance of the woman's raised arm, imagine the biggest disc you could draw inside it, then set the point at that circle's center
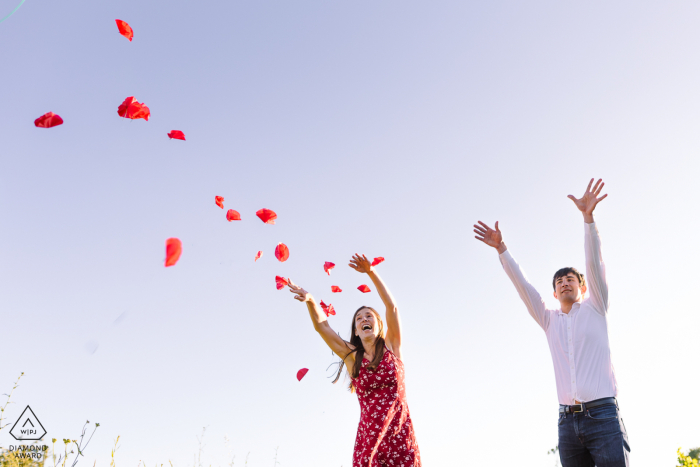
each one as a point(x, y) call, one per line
point(393, 321)
point(340, 347)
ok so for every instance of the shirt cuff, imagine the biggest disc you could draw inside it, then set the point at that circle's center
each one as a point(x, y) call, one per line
point(505, 256)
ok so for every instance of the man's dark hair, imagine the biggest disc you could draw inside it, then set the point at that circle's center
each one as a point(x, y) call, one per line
point(563, 272)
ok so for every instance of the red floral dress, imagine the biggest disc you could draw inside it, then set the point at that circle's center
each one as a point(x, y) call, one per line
point(385, 436)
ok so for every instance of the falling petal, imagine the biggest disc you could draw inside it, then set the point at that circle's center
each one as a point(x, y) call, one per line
point(282, 252)
point(363, 288)
point(133, 109)
point(258, 256)
point(219, 200)
point(232, 215)
point(301, 373)
point(335, 289)
point(377, 261)
point(173, 250)
point(281, 282)
point(327, 266)
point(327, 309)
point(177, 134)
point(125, 30)
point(268, 216)
point(48, 120)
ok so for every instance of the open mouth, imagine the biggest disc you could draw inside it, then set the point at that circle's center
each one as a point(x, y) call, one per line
point(366, 327)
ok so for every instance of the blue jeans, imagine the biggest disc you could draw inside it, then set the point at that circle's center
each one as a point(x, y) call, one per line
point(595, 437)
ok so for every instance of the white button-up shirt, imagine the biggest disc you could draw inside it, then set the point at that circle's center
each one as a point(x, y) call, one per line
point(578, 341)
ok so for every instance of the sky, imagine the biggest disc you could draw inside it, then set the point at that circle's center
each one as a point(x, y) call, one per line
point(385, 128)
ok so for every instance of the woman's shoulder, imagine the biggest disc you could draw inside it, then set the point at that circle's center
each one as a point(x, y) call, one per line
point(388, 350)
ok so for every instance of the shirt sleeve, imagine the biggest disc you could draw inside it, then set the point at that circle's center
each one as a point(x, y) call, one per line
point(532, 299)
point(595, 270)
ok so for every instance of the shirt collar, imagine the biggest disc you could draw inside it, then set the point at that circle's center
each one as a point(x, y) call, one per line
point(574, 309)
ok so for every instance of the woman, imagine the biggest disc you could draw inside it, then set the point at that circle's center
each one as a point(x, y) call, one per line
point(385, 435)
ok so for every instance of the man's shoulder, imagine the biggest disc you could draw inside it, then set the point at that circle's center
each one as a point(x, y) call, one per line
point(589, 306)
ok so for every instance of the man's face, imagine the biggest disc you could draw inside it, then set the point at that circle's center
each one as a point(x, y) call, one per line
point(567, 289)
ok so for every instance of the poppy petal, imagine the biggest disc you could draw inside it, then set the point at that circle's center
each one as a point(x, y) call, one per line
point(377, 261)
point(48, 120)
point(268, 216)
point(232, 215)
point(177, 134)
point(173, 250)
point(125, 30)
point(125, 105)
point(282, 252)
point(301, 373)
point(280, 282)
point(258, 256)
point(335, 289)
point(219, 200)
point(327, 309)
point(328, 266)
point(133, 109)
point(363, 288)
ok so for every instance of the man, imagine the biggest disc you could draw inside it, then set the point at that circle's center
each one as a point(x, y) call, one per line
point(591, 431)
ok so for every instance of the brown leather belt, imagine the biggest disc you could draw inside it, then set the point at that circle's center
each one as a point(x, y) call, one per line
point(577, 408)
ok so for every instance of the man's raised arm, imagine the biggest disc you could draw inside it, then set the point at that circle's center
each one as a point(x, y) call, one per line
point(595, 267)
point(528, 294)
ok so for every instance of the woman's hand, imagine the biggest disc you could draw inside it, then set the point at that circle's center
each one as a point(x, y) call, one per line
point(361, 264)
point(301, 294)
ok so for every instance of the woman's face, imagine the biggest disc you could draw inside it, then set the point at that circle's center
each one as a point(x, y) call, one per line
point(366, 324)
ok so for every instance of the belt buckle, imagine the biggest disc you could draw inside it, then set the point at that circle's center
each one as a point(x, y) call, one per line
point(577, 411)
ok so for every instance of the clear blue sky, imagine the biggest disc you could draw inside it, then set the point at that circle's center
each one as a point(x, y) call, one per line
point(386, 128)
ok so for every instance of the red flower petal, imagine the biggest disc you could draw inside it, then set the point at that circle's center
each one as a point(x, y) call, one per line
point(335, 289)
point(301, 373)
point(125, 105)
point(328, 266)
point(377, 261)
point(139, 111)
point(125, 30)
point(267, 216)
point(280, 282)
point(258, 256)
point(48, 120)
point(219, 200)
point(282, 252)
point(177, 134)
point(232, 215)
point(132, 109)
point(173, 249)
point(363, 288)
point(327, 309)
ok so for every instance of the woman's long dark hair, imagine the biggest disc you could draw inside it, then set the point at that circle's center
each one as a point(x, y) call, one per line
point(356, 341)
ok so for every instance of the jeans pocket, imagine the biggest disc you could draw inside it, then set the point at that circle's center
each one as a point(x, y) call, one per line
point(602, 413)
point(561, 419)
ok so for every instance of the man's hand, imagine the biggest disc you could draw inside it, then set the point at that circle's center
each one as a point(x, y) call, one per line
point(587, 203)
point(489, 236)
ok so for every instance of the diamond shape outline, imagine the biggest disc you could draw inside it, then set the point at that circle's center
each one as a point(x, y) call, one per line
point(20, 418)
